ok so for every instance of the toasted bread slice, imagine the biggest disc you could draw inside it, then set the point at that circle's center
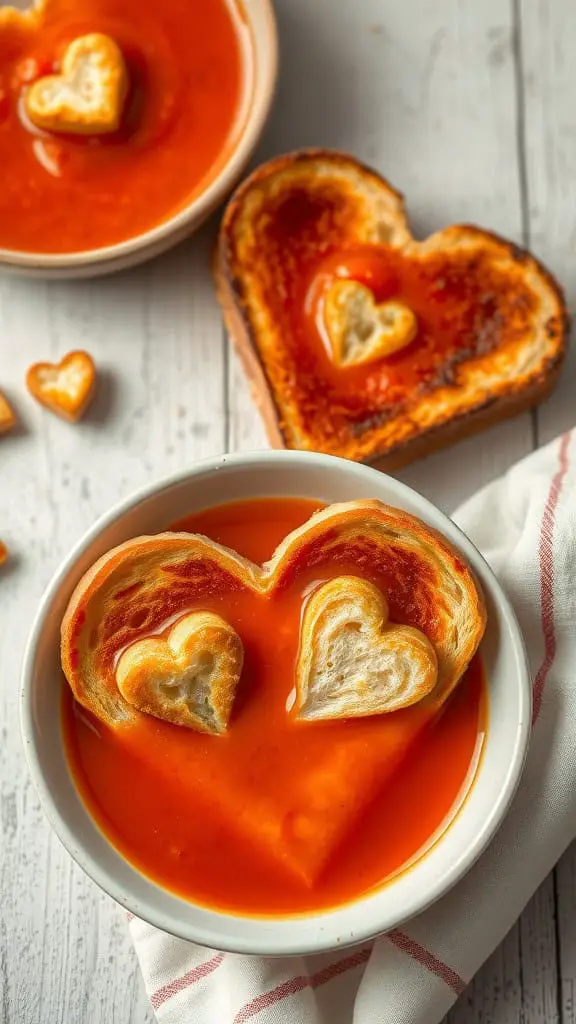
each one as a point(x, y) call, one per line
point(428, 586)
point(491, 322)
point(111, 654)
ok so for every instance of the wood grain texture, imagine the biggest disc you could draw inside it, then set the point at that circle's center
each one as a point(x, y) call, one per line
point(548, 76)
point(465, 106)
point(156, 337)
point(547, 29)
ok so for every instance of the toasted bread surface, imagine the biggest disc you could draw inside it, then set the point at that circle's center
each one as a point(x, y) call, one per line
point(352, 661)
point(491, 321)
point(189, 678)
point(67, 387)
point(134, 590)
point(88, 96)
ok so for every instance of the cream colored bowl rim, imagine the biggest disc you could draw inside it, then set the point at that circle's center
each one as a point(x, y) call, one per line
point(156, 238)
point(437, 871)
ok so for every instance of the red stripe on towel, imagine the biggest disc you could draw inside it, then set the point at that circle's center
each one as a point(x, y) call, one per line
point(186, 981)
point(546, 557)
point(300, 982)
point(428, 960)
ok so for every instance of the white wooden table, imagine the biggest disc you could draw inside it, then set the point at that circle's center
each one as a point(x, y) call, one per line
point(469, 107)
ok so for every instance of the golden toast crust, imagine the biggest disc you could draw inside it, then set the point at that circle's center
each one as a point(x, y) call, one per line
point(493, 348)
point(132, 591)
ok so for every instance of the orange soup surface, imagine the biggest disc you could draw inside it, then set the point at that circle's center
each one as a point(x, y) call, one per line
point(189, 810)
point(64, 193)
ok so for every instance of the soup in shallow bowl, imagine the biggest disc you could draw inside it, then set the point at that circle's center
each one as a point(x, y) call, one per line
point(122, 125)
point(298, 818)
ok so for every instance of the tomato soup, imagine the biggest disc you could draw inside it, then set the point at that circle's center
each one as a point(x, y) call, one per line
point(195, 812)
point(63, 193)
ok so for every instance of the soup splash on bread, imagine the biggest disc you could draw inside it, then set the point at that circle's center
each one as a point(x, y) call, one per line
point(276, 737)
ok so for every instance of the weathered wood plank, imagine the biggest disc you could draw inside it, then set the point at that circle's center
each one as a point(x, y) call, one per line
point(548, 28)
point(495, 994)
point(549, 80)
point(539, 957)
point(566, 898)
point(156, 337)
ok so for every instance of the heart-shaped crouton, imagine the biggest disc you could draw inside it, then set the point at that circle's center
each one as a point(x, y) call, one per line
point(189, 678)
point(7, 416)
point(87, 97)
point(491, 322)
point(352, 661)
point(65, 388)
point(359, 329)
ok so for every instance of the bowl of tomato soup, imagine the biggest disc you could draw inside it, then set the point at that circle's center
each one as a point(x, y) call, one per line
point(198, 80)
point(175, 824)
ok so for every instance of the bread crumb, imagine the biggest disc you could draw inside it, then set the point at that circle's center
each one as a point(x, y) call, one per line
point(7, 415)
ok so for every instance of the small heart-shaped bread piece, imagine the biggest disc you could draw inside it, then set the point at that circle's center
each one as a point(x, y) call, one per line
point(352, 661)
point(189, 678)
point(359, 329)
point(87, 97)
point(7, 417)
point(66, 387)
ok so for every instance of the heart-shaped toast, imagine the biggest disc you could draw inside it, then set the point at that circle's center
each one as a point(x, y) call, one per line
point(491, 322)
point(140, 589)
point(65, 388)
point(87, 97)
point(7, 416)
point(189, 678)
point(360, 330)
point(353, 662)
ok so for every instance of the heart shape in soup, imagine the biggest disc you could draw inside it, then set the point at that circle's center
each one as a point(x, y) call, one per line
point(87, 97)
point(147, 584)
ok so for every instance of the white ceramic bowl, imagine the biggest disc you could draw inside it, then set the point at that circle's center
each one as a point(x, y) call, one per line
point(297, 474)
point(257, 33)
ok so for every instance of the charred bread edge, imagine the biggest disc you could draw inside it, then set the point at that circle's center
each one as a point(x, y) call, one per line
point(533, 389)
